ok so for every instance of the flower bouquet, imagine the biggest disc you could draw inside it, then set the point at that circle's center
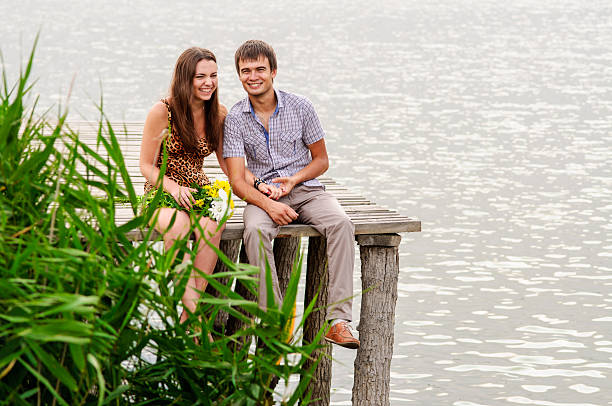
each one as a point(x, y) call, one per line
point(214, 200)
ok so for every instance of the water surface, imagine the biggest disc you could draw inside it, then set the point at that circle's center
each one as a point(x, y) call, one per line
point(490, 122)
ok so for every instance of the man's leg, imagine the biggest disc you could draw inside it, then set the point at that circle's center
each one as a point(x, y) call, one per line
point(321, 210)
point(259, 228)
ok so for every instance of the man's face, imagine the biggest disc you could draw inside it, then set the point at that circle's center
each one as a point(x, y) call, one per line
point(256, 76)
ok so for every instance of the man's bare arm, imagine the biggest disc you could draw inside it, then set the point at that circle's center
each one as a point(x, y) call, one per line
point(318, 166)
point(279, 212)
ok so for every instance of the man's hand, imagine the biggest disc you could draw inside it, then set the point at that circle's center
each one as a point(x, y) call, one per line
point(287, 184)
point(273, 192)
point(280, 213)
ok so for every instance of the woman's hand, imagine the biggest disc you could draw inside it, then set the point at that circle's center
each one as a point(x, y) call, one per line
point(273, 192)
point(287, 184)
point(182, 195)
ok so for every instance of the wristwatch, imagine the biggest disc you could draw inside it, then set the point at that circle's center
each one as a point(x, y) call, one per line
point(257, 182)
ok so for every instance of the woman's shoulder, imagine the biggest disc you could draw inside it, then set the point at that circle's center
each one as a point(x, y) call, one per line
point(222, 113)
point(158, 115)
point(161, 106)
point(222, 110)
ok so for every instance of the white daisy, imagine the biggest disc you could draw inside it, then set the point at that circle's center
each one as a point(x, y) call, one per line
point(217, 210)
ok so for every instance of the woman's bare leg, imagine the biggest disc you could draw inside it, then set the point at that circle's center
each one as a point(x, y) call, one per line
point(206, 258)
point(172, 233)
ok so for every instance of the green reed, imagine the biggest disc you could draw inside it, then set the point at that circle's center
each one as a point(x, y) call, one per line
point(77, 296)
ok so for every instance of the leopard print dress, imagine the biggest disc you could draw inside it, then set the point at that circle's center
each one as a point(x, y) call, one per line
point(184, 167)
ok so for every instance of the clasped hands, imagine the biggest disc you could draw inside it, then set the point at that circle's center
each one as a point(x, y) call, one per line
point(275, 192)
point(279, 212)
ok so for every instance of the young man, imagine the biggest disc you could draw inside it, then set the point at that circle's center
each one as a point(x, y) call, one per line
point(281, 138)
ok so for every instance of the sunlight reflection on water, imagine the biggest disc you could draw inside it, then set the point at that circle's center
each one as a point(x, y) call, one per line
point(490, 122)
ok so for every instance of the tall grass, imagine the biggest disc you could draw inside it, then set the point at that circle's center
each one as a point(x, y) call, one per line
point(87, 317)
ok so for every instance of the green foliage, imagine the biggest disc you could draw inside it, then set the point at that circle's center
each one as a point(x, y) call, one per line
point(89, 317)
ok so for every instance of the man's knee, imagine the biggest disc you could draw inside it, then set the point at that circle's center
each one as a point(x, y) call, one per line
point(342, 225)
point(253, 233)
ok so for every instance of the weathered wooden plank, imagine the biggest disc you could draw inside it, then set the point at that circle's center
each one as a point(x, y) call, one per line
point(234, 230)
point(355, 213)
point(372, 212)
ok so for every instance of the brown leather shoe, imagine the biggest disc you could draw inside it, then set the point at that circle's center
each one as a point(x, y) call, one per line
point(340, 334)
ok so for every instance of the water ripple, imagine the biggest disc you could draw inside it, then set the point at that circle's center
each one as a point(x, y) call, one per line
point(527, 371)
point(490, 121)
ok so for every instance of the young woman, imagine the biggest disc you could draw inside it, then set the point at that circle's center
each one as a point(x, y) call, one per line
point(195, 118)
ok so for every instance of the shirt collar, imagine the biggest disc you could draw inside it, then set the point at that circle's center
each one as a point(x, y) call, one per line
point(247, 107)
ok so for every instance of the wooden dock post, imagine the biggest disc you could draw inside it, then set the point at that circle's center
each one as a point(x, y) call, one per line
point(284, 254)
point(379, 273)
point(317, 280)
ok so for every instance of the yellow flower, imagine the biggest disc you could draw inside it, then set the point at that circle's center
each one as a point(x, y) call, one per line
point(222, 184)
point(199, 202)
point(211, 191)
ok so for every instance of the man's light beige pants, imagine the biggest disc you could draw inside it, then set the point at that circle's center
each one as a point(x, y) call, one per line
point(322, 211)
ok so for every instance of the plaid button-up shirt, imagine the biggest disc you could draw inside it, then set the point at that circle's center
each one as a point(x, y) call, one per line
point(284, 150)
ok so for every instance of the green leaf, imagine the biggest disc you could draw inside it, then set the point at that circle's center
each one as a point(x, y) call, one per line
point(53, 366)
point(10, 352)
point(69, 331)
point(116, 394)
point(45, 382)
point(76, 352)
point(101, 382)
point(292, 287)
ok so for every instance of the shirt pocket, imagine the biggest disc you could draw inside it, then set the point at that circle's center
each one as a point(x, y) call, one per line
point(290, 141)
point(255, 146)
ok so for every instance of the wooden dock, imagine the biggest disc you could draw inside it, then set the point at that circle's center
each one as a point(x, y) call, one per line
point(377, 233)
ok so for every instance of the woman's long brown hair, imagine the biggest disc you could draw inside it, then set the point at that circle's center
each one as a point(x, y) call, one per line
point(181, 90)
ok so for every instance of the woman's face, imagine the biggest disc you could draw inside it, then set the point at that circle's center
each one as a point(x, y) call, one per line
point(204, 80)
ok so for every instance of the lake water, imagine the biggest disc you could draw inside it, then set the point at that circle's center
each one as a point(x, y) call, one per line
point(490, 122)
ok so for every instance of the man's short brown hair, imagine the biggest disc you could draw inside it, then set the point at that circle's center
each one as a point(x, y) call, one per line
point(252, 50)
